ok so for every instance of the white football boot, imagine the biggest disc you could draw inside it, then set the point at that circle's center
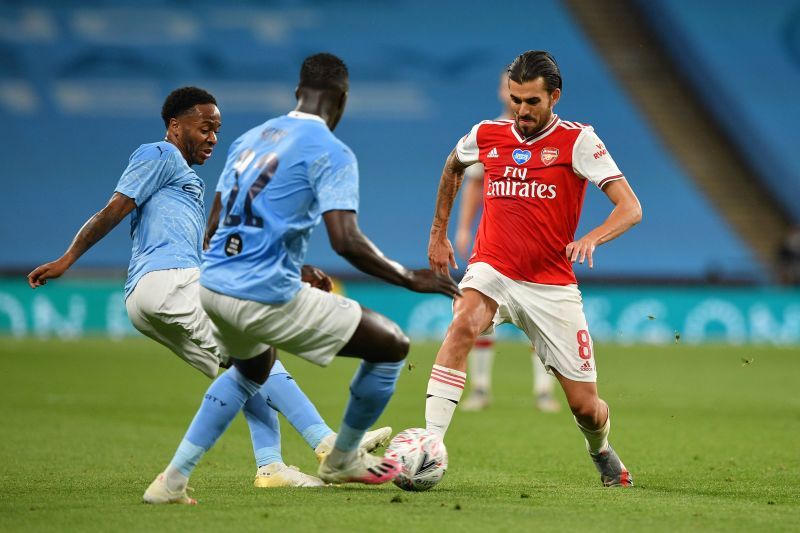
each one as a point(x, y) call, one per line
point(363, 468)
point(158, 492)
point(280, 475)
point(371, 440)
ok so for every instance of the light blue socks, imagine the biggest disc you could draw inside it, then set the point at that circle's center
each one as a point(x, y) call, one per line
point(370, 391)
point(283, 394)
point(222, 401)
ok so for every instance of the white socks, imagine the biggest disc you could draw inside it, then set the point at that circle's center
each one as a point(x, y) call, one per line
point(543, 383)
point(480, 366)
point(596, 439)
point(444, 392)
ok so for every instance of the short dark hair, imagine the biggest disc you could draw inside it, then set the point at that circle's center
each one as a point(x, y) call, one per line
point(182, 100)
point(323, 71)
point(535, 64)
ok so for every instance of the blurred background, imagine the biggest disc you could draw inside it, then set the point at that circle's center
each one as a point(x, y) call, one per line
point(696, 101)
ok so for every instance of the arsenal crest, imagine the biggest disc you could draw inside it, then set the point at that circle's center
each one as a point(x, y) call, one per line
point(549, 155)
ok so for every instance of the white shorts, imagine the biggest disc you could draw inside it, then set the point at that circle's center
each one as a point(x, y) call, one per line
point(314, 324)
point(550, 315)
point(165, 306)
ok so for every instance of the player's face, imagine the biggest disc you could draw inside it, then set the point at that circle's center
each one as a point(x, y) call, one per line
point(532, 105)
point(196, 133)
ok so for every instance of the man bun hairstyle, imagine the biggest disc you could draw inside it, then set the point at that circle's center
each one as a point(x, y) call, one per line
point(535, 64)
point(183, 100)
point(323, 71)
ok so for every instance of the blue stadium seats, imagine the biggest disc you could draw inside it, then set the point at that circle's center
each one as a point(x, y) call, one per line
point(81, 88)
point(743, 59)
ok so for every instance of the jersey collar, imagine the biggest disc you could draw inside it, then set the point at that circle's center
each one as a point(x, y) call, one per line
point(547, 130)
point(305, 116)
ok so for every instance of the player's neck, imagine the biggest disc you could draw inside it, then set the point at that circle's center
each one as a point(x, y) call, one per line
point(319, 107)
point(180, 148)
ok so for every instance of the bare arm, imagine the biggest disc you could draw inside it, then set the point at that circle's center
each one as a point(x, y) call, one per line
point(348, 241)
point(440, 251)
point(97, 227)
point(470, 200)
point(213, 220)
point(627, 213)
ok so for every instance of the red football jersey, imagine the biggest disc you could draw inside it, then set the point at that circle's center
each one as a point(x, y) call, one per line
point(533, 192)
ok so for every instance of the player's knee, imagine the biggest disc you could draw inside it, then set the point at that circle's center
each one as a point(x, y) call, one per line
point(584, 409)
point(398, 344)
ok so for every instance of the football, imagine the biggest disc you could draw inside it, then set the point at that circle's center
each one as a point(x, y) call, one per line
point(423, 456)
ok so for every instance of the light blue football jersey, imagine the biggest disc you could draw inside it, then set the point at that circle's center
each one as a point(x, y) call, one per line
point(167, 224)
point(278, 180)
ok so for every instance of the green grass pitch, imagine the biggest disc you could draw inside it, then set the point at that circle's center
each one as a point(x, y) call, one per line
point(710, 434)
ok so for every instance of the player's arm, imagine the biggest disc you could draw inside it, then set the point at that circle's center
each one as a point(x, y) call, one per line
point(470, 200)
point(348, 241)
point(97, 227)
point(213, 219)
point(440, 251)
point(627, 213)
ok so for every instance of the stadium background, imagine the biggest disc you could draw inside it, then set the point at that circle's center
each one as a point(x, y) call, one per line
point(696, 321)
point(81, 84)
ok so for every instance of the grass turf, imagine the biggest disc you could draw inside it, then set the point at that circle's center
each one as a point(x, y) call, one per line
point(709, 433)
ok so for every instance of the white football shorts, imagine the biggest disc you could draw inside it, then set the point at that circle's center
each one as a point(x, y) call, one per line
point(550, 315)
point(313, 325)
point(165, 306)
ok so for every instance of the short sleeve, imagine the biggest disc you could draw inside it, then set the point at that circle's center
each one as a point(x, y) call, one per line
point(591, 160)
point(148, 170)
point(336, 176)
point(474, 172)
point(467, 149)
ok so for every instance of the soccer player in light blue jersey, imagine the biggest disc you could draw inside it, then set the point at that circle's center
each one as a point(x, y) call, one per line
point(165, 199)
point(280, 180)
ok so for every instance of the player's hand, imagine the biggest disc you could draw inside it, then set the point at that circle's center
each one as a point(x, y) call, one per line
point(316, 278)
point(581, 250)
point(51, 270)
point(463, 238)
point(440, 255)
point(426, 280)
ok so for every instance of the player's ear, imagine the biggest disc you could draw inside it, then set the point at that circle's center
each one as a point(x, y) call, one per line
point(174, 127)
point(555, 96)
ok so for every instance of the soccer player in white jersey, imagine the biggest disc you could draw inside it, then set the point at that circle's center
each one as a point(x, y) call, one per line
point(164, 196)
point(280, 180)
point(481, 358)
point(537, 167)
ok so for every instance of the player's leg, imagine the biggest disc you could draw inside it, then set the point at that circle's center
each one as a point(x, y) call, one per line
point(317, 325)
point(165, 306)
point(266, 437)
point(556, 325)
point(283, 394)
point(382, 346)
point(222, 401)
point(594, 421)
point(544, 385)
point(251, 363)
point(480, 362)
point(472, 314)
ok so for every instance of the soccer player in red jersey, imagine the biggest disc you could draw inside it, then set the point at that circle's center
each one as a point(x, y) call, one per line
point(536, 170)
point(481, 357)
